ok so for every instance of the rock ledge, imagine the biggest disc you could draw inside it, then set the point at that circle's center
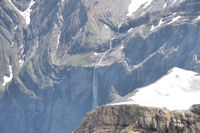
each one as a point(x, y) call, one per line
point(135, 118)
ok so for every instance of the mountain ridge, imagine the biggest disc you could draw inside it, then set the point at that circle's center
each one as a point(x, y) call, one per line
point(138, 119)
point(53, 58)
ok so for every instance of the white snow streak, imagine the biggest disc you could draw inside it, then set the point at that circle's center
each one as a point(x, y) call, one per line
point(175, 19)
point(164, 5)
point(58, 41)
point(130, 29)
point(195, 58)
point(122, 47)
point(174, 1)
point(178, 90)
point(25, 14)
point(6, 78)
point(106, 26)
point(198, 18)
point(12, 44)
point(22, 51)
point(21, 62)
point(159, 24)
point(16, 27)
point(62, 1)
point(135, 4)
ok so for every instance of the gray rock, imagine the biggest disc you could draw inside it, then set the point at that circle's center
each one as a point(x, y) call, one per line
point(53, 89)
point(135, 118)
point(195, 109)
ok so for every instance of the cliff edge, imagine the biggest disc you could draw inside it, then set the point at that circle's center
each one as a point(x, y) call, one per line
point(138, 119)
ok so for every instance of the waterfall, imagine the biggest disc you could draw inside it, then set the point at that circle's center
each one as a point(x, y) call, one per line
point(95, 76)
point(95, 93)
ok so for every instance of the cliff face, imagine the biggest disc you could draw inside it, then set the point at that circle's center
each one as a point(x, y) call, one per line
point(138, 119)
point(60, 58)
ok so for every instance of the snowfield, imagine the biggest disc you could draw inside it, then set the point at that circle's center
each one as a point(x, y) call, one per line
point(178, 90)
point(136, 4)
point(25, 14)
point(6, 78)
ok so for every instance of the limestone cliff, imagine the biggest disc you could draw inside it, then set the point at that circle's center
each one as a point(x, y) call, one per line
point(60, 58)
point(138, 119)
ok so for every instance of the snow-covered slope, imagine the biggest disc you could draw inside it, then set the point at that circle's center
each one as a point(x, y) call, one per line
point(178, 90)
point(6, 78)
point(134, 5)
point(25, 14)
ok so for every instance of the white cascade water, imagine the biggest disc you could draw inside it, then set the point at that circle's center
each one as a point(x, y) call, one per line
point(95, 79)
point(95, 92)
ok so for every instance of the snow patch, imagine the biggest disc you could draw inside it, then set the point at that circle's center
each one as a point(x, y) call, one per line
point(12, 44)
point(130, 29)
point(174, 1)
point(159, 24)
point(165, 5)
point(62, 0)
point(25, 14)
point(58, 40)
point(175, 19)
point(198, 18)
point(106, 26)
point(22, 51)
point(122, 47)
point(119, 26)
point(135, 4)
point(6, 78)
point(21, 46)
point(16, 27)
point(178, 90)
point(195, 58)
point(21, 62)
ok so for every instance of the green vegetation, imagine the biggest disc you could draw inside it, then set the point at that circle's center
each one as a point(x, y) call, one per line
point(2, 92)
point(79, 60)
point(91, 38)
point(90, 29)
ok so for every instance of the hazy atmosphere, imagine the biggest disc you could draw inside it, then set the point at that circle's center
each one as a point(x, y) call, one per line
point(99, 66)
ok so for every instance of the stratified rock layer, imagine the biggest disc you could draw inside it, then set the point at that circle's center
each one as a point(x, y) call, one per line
point(53, 57)
point(138, 119)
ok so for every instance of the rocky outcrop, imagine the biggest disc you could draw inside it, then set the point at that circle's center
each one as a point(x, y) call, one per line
point(138, 119)
point(195, 109)
point(53, 57)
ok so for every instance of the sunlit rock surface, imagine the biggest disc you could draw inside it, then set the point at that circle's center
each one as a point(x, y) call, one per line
point(53, 56)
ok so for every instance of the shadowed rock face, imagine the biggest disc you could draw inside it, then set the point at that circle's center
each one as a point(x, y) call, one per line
point(138, 119)
point(53, 57)
point(195, 109)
